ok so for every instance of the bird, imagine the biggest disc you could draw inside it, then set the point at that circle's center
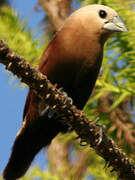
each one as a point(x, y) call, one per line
point(72, 61)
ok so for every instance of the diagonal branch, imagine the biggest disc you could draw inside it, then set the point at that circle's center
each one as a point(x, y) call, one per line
point(87, 130)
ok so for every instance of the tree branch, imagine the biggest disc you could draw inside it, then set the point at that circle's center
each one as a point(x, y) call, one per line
point(81, 165)
point(58, 157)
point(56, 10)
point(87, 130)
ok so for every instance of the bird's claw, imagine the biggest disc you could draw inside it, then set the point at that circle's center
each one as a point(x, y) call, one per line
point(101, 130)
point(100, 135)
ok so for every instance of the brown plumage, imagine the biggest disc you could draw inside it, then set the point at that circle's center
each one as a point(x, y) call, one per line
point(72, 60)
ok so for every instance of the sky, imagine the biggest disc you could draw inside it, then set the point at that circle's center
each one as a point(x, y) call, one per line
point(12, 99)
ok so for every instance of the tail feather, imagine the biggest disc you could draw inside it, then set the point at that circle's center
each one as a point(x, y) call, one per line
point(29, 141)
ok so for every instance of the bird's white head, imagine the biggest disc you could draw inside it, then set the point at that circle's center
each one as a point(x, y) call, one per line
point(97, 19)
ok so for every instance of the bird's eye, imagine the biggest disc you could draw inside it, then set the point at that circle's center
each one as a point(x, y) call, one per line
point(102, 13)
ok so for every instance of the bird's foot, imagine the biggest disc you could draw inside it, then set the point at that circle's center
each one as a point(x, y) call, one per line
point(101, 131)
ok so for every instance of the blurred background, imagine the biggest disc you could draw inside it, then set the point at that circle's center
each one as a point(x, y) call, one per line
point(27, 27)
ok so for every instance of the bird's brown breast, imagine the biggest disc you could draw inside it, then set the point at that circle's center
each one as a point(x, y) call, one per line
point(73, 67)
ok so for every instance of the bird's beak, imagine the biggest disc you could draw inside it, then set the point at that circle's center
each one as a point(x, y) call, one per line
point(115, 24)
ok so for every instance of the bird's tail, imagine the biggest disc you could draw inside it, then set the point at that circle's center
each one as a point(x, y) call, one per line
point(29, 141)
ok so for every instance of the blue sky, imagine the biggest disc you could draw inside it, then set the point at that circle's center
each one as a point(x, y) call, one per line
point(12, 99)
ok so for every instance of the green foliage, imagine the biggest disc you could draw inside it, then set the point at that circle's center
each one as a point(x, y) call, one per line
point(21, 39)
point(36, 172)
point(100, 173)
